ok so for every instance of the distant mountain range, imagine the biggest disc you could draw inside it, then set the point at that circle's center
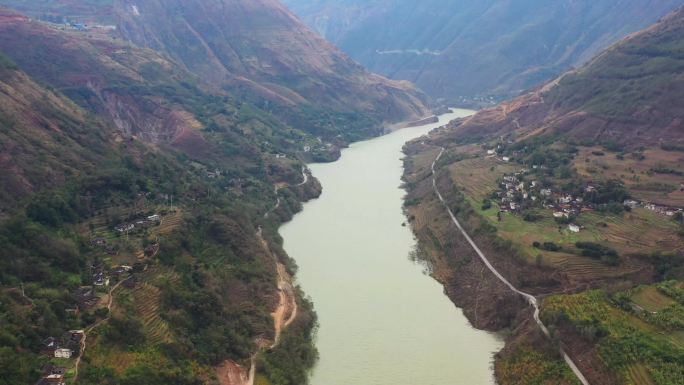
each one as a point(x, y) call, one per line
point(627, 97)
point(459, 50)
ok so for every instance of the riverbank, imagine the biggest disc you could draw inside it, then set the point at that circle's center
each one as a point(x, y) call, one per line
point(585, 304)
point(488, 302)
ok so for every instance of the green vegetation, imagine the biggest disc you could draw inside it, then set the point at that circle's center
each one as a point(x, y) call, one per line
point(625, 337)
point(528, 366)
point(288, 363)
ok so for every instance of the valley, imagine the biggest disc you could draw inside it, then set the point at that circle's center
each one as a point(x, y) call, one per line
point(211, 192)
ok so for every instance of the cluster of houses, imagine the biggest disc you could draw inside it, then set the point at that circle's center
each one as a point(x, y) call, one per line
point(659, 209)
point(66, 347)
point(139, 224)
point(86, 296)
point(515, 194)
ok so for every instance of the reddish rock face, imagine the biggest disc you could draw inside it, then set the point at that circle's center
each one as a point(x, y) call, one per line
point(260, 46)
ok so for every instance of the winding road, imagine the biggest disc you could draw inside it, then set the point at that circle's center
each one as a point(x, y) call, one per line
point(110, 302)
point(532, 300)
point(305, 180)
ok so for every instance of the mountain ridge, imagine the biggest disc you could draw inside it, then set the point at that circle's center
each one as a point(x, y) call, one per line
point(465, 51)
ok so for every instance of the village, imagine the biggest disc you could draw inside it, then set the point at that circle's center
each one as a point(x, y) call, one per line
point(515, 195)
point(65, 350)
point(93, 301)
point(139, 224)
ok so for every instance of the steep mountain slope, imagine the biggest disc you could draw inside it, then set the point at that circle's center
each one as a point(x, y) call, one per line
point(575, 193)
point(254, 49)
point(464, 49)
point(628, 96)
point(39, 124)
point(132, 196)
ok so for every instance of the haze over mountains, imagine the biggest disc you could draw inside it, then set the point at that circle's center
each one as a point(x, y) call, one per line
point(628, 96)
point(456, 49)
point(255, 49)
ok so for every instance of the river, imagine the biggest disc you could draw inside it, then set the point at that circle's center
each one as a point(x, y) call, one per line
point(383, 321)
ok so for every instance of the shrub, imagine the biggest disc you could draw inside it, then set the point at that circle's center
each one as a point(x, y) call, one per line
point(550, 246)
point(486, 204)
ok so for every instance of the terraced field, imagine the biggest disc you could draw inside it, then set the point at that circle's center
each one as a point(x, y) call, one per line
point(476, 176)
point(651, 299)
point(169, 223)
point(147, 302)
point(637, 374)
point(638, 231)
point(636, 172)
point(582, 269)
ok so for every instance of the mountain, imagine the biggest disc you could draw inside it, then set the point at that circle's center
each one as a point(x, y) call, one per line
point(460, 50)
point(627, 97)
point(574, 192)
point(256, 49)
point(139, 208)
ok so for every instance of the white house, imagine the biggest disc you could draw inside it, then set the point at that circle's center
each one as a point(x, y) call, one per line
point(63, 353)
point(574, 228)
point(491, 152)
point(55, 378)
point(506, 159)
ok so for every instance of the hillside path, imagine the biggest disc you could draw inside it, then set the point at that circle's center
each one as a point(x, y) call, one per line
point(532, 300)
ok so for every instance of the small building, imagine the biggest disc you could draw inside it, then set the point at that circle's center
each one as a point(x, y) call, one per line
point(560, 214)
point(545, 192)
point(506, 159)
point(54, 379)
point(574, 228)
point(565, 199)
point(100, 242)
point(631, 203)
point(491, 152)
point(63, 353)
point(154, 218)
point(85, 297)
point(100, 279)
point(49, 346)
point(126, 227)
